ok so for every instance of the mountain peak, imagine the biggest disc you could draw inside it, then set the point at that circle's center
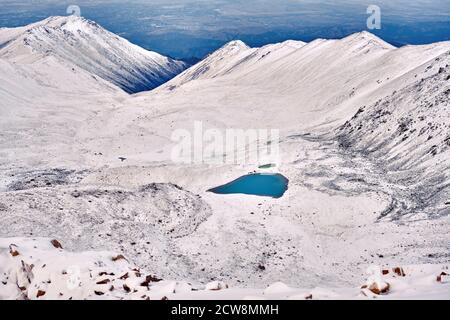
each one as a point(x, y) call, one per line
point(290, 43)
point(69, 23)
point(234, 45)
point(79, 42)
point(365, 37)
point(231, 48)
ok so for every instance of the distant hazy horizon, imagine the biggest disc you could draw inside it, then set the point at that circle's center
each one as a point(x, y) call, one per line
point(192, 28)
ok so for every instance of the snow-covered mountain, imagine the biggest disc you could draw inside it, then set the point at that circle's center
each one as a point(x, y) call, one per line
point(322, 84)
point(237, 54)
point(364, 141)
point(83, 44)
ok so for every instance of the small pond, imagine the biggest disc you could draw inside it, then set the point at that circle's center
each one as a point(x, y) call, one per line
point(259, 184)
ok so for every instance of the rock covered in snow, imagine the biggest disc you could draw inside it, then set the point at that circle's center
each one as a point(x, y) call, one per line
point(38, 269)
point(216, 285)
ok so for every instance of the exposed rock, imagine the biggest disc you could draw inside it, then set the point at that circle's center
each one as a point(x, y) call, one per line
point(379, 287)
point(399, 271)
point(40, 293)
point(13, 250)
point(119, 257)
point(105, 281)
point(56, 244)
point(443, 278)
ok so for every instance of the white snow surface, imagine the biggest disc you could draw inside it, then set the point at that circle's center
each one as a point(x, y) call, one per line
point(365, 145)
point(40, 269)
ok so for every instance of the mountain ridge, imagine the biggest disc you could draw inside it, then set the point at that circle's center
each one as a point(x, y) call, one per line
point(85, 44)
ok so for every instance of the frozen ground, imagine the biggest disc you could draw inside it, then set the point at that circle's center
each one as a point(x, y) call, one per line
point(333, 220)
point(39, 268)
point(90, 166)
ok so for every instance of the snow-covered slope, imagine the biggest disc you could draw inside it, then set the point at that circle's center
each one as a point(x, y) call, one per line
point(318, 83)
point(412, 120)
point(44, 103)
point(45, 79)
point(40, 269)
point(78, 42)
point(408, 131)
point(237, 55)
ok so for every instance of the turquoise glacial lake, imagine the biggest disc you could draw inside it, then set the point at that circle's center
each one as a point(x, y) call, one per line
point(259, 184)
